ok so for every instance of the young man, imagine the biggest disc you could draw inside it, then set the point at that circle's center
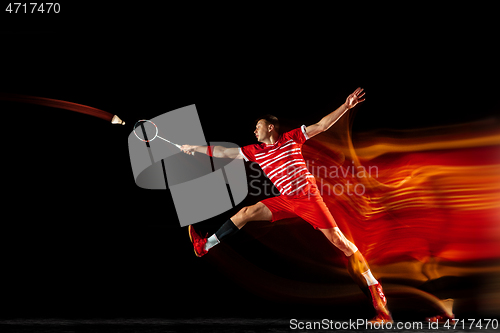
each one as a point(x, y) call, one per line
point(281, 159)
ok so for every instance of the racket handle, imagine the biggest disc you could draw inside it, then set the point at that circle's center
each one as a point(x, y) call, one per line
point(178, 146)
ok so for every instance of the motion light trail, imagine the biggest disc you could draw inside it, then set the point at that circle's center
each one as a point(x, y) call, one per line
point(55, 103)
point(422, 205)
point(432, 195)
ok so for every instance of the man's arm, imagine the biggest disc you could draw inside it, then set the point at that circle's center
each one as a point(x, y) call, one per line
point(217, 151)
point(327, 121)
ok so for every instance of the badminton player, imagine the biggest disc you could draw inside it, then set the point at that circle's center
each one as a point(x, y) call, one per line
point(280, 157)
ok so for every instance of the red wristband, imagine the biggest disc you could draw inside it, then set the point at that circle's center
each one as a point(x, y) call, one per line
point(210, 150)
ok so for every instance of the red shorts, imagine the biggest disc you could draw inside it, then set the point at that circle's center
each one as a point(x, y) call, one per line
point(310, 207)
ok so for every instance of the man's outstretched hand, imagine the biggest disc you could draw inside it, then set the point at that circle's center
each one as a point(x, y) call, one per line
point(188, 149)
point(354, 98)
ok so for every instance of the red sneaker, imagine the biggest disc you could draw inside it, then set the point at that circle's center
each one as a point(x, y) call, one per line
point(446, 315)
point(198, 242)
point(441, 319)
point(378, 298)
point(382, 317)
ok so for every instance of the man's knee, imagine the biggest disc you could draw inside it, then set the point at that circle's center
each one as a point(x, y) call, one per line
point(244, 212)
point(248, 212)
point(255, 212)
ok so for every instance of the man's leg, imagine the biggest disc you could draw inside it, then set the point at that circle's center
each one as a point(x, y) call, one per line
point(257, 212)
point(359, 270)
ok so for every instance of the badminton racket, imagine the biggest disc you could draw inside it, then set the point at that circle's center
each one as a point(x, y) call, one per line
point(146, 139)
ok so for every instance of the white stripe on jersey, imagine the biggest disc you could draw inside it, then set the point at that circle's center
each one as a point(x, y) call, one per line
point(267, 156)
point(295, 151)
point(300, 180)
point(289, 142)
point(289, 186)
point(283, 162)
point(298, 188)
point(288, 177)
point(296, 169)
point(280, 168)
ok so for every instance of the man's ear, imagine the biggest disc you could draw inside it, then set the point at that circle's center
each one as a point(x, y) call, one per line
point(270, 127)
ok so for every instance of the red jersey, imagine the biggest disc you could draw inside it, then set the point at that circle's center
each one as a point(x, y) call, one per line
point(282, 162)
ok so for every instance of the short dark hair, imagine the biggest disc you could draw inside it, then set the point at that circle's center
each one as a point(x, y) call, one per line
point(270, 119)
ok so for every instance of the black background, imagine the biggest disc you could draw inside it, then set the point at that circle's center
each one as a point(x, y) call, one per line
point(79, 238)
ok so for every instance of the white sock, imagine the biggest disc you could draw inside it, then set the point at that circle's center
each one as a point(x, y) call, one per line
point(369, 278)
point(211, 242)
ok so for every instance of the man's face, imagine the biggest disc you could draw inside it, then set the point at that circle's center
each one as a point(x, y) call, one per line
point(261, 130)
